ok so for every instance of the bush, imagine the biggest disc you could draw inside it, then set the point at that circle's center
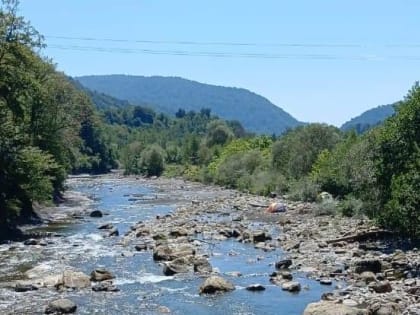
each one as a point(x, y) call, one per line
point(152, 161)
point(326, 207)
point(263, 183)
point(304, 190)
point(351, 206)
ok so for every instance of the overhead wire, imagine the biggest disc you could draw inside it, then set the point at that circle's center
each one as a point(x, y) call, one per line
point(317, 55)
point(216, 43)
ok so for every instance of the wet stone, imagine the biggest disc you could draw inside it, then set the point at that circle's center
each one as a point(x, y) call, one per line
point(30, 241)
point(106, 226)
point(114, 232)
point(105, 286)
point(216, 284)
point(255, 288)
point(101, 274)
point(96, 214)
point(291, 286)
point(61, 306)
point(283, 264)
point(25, 287)
point(326, 281)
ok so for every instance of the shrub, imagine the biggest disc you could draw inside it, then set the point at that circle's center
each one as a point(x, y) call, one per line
point(304, 190)
point(326, 207)
point(152, 161)
point(351, 206)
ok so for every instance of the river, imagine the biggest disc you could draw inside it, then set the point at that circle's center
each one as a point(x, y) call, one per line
point(143, 287)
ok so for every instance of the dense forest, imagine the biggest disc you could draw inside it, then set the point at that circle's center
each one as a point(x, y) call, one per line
point(51, 128)
point(167, 94)
point(48, 127)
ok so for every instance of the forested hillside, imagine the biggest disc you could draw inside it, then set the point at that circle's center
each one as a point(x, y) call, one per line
point(369, 119)
point(48, 127)
point(168, 94)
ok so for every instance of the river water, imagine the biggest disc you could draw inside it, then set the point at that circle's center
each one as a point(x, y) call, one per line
point(143, 287)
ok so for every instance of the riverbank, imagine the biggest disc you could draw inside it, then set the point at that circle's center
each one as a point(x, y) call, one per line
point(189, 231)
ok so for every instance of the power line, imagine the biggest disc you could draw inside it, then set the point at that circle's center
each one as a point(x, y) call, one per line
point(233, 54)
point(249, 44)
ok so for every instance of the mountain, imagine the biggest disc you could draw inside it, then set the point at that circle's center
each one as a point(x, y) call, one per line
point(369, 119)
point(168, 94)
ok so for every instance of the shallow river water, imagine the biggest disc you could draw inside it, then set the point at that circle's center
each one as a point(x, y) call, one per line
point(143, 287)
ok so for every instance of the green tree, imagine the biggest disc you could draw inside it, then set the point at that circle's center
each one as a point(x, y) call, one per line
point(295, 152)
point(397, 162)
point(153, 161)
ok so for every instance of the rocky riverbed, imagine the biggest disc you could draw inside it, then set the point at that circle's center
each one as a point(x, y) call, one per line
point(197, 241)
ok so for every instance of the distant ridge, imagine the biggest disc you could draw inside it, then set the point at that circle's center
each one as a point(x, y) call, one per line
point(168, 94)
point(369, 119)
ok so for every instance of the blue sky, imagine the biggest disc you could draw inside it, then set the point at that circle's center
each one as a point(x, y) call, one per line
point(325, 60)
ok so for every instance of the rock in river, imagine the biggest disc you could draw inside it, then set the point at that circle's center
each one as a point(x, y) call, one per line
point(216, 284)
point(113, 232)
point(96, 214)
point(75, 280)
point(202, 265)
point(283, 264)
point(179, 265)
point(291, 286)
point(101, 274)
point(30, 241)
point(106, 226)
point(105, 286)
point(21, 287)
point(330, 308)
point(255, 287)
point(61, 306)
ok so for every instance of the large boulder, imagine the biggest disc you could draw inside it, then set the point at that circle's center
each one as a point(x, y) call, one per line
point(215, 284)
point(61, 306)
point(101, 274)
point(331, 308)
point(179, 265)
point(167, 252)
point(202, 265)
point(75, 280)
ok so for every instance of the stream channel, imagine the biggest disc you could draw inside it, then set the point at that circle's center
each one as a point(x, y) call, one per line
point(143, 287)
